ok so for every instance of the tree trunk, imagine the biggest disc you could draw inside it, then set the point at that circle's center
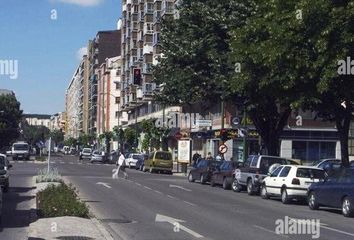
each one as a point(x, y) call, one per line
point(270, 128)
point(343, 124)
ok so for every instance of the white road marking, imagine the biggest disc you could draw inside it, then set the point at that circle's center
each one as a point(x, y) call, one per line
point(192, 204)
point(270, 231)
point(157, 192)
point(180, 187)
point(336, 230)
point(71, 163)
point(138, 184)
point(173, 221)
point(147, 188)
point(104, 184)
point(171, 197)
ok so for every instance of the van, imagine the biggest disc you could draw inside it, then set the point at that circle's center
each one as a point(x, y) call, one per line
point(20, 150)
point(159, 161)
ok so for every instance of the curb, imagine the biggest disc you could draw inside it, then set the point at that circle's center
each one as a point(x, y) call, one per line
point(101, 228)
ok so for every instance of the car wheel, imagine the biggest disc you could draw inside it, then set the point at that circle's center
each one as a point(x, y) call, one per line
point(190, 177)
point(284, 196)
point(250, 187)
point(264, 193)
point(225, 185)
point(202, 179)
point(347, 208)
point(312, 199)
point(236, 187)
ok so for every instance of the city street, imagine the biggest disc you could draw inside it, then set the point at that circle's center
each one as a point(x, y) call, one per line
point(157, 206)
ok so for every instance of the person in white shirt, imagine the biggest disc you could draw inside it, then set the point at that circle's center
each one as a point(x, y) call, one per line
point(122, 165)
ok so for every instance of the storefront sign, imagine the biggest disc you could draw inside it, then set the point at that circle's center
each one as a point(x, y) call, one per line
point(184, 151)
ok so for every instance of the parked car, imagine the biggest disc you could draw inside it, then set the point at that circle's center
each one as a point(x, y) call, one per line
point(20, 150)
point(224, 174)
point(66, 150)
point(85, 153)
point(132, 159)
point(352, 164)
point(4, 175)
point(290, 182)
point(97, 156)
point(336, 191)
point(9, 153)
point(140, 163)
point(329, 165)
point(203, 170)
point(159, 161)
point(254, 170)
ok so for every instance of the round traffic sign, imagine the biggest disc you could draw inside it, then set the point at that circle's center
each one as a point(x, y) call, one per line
point(223, 148)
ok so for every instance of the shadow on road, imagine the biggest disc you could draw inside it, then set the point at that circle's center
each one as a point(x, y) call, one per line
point(13, 202)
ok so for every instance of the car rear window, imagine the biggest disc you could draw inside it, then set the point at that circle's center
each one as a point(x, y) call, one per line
point(163, 156)
point(310, 173)
point(87, 150)
point(136, 156)
point(2, 161)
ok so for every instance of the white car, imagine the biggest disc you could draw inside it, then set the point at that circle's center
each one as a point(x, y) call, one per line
point(133, 159)
point(290, 181)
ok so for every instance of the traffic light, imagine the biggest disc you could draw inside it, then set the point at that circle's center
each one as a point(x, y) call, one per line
point(137, 76)
point(224, 135)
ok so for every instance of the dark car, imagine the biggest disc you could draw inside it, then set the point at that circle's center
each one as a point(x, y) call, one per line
point(4, 173)
point(203, 170)
point(224, 175)
point(336, 191)
point(330, 165)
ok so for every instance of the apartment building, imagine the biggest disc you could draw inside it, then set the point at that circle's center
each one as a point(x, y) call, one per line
point(105, 45)
point(141, 26)
point(57, 122)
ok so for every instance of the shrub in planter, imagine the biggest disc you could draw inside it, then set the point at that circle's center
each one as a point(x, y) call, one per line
point(59, 201)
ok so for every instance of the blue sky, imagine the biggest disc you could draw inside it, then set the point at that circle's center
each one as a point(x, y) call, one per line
point(46, 49)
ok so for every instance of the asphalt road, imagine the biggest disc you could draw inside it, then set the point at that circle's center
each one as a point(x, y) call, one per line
point(157, 206)
point(146, 206)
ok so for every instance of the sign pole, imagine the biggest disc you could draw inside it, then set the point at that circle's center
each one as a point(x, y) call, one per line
point(50, 144)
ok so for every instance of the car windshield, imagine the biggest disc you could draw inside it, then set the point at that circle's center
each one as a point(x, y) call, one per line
point(310, 173)
point(86, 151)
point(136, 157)
point(20, 146)
point(163, 155)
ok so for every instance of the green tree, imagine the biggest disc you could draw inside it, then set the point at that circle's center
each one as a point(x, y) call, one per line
point(130, 137)
point(57, 136)
point(10, 117)
point(329, 26)
point(196, 47)
point(85, 140)
point(34, 134)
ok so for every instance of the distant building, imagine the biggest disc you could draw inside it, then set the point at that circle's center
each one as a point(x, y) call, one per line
point(38, 119)
point(57, 121)
point(6, 92)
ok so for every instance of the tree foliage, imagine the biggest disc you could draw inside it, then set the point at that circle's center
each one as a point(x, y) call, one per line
point(10, 117)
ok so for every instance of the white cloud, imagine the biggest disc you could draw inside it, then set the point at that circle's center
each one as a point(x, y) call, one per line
point(84, 3)
point(81, 52)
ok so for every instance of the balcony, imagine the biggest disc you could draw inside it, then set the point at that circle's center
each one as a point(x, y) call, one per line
point(148, 49)
point(167, 7)
point(147, 68)
point(157, 16)
point(148, 8)
point(148, 28)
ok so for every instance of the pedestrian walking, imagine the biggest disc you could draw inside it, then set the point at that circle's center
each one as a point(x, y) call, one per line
point(121, 166)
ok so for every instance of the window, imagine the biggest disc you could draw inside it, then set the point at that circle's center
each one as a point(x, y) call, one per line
point(276, 172)
point(313, 151)
point(285, 172)
point(248, 161)
point(117, 100)
point(254, 162)
point(117, 86)
point(310, 173)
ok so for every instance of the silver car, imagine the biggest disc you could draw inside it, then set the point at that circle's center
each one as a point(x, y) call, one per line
point(98, 156)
